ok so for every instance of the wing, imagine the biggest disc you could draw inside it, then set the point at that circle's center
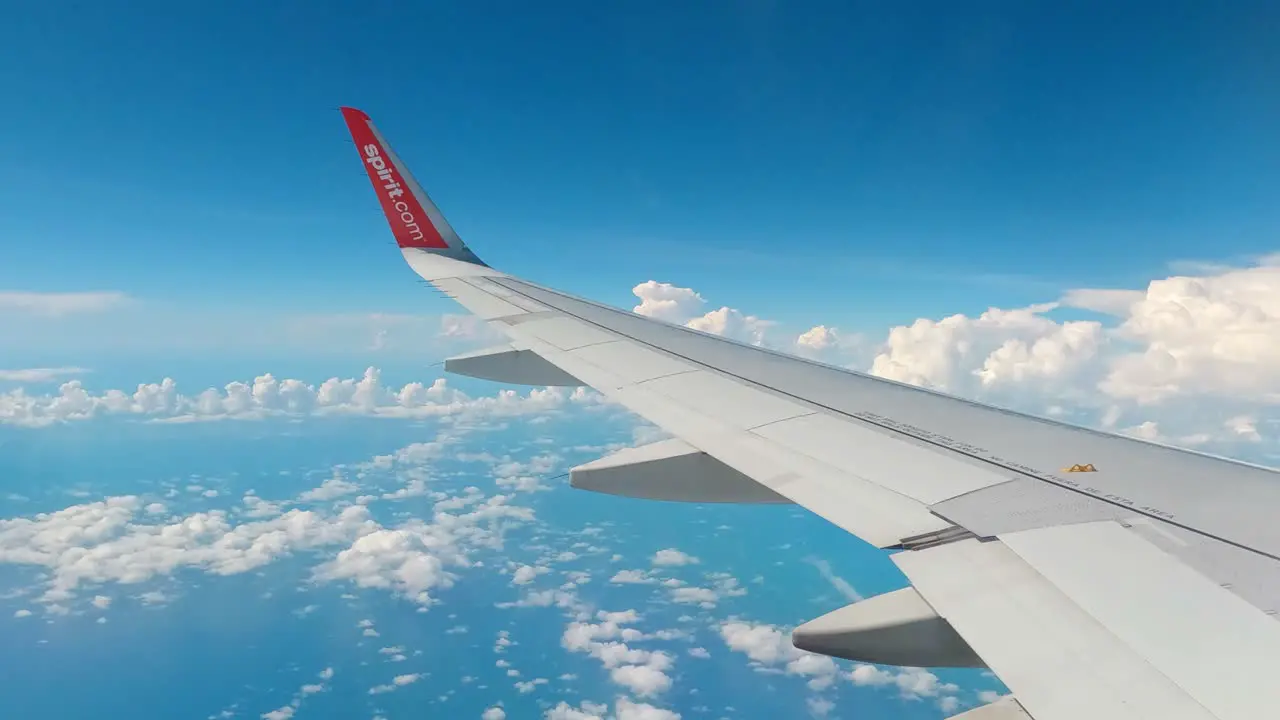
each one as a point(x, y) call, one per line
point(1097, 576)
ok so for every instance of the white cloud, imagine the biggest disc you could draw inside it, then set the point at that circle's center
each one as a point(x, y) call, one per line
point(527, 686)
point(111, 540)
point(334, 487)
point(672, 558)
point(267, 396)
point(54, 304)
point(39, 375)
point(695, 596)
point(769, 649)
point(911, 683)
point(1191, 355)
point(643, 680)
point(411, 560)
point(632, 577)
point(494, 713)
point(664, 301)
point(732, 323)
point(641, 671)
point(396, 682)
point(819, 707)
point(586, 711)
point(1204, 348)
point(678, 305)
point(826, 343)
point(526, 573)
point(962, 355)
point(623, 709)
point(286, 712)
point(121, 540)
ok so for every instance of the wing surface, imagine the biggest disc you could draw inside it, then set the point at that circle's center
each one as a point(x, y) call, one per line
point(1098, 576)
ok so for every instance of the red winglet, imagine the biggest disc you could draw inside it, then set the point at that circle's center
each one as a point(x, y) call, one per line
point(408, 220)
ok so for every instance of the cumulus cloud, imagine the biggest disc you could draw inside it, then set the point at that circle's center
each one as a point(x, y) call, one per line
point(704, 597)
point(623, 709)
point(110, 541)
point(413, 559)
point(268, 396)
point(334, 487)
point(664, 301)
point(286, 712)
point(396, 682)
point(587, 710)
point(672, 557)
point(828, 344)
point(526, 573)
point(911, 683)
point(960, 354)
point(54, 304)
point(632, 577)
point(1190, 360)
point(1190, 352)
point(681, 306)
point(123, 539)
point(641, 671)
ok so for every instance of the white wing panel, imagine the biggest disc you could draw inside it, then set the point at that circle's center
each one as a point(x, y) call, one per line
point(631, 362)
point(563, 333)
point(507, 295)
point(476, 300)
point(873, 513)
point(878, 516)
point(1060, 663)
point(914, 471)
point(1213, 644)
point(726, 400)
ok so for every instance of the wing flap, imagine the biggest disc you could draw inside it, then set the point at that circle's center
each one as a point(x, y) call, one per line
point(670, 470)
point(1061, 662)
point(1213, 644)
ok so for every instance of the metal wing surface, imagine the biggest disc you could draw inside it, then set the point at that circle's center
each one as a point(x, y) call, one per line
point(1097, 576)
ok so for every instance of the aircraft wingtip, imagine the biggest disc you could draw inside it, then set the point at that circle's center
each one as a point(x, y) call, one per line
point(350, 113)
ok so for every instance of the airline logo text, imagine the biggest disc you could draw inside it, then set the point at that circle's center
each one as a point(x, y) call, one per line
point(394, 190)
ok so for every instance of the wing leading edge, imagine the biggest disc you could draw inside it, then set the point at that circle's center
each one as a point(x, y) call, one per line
point(1097, 576)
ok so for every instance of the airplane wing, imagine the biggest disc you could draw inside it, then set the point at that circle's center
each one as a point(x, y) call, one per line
point(1099, 577)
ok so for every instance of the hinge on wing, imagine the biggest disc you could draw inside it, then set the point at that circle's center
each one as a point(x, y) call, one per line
point(935, 538)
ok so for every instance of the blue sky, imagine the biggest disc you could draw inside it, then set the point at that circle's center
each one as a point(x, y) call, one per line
point(860, 165)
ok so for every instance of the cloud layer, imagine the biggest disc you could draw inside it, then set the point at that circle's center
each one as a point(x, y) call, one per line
point(1191, 359)
point(266, 396)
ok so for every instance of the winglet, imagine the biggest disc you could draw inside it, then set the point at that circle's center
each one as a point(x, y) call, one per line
point(415, 221)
